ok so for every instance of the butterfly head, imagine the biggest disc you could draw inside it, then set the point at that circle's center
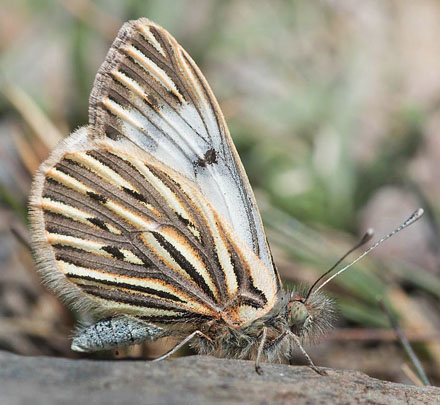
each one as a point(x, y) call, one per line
point(309, 317)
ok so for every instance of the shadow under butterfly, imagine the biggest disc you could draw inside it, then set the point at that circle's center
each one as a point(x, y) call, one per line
point(145, 218)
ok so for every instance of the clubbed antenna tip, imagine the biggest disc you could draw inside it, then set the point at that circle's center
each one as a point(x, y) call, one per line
point(368, 236)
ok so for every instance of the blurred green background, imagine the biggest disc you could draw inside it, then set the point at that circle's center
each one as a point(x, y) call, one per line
point(334, 108)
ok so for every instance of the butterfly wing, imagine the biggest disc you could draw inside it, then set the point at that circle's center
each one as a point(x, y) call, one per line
point(150, 91)
point(148, 210)
point(119, 231)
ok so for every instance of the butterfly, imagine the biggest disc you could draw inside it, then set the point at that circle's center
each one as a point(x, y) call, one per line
point(145, 219)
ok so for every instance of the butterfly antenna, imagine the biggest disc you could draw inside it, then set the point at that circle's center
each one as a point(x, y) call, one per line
point(368, 235)
point(413, 218)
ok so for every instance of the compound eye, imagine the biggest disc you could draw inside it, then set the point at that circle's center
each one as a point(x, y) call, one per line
point(298, 314)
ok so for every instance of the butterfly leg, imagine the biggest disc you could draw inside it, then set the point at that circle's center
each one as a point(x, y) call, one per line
point(115, 332)
point(311, 364)
point(183, 343)
point(275, 342)
point(258, 368)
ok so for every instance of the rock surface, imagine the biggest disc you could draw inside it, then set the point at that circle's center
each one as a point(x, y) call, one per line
point(191, 380)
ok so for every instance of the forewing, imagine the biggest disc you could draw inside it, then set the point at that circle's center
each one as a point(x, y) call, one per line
point(151, 92)
point(116, 230)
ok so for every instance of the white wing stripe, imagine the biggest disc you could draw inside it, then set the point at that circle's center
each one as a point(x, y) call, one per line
point(145, 30)
point(155, 71)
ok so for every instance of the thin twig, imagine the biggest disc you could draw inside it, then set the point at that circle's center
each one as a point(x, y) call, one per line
point(405, 343)
point(414, 378)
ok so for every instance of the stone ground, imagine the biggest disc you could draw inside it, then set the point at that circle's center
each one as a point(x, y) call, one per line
point(191, 380)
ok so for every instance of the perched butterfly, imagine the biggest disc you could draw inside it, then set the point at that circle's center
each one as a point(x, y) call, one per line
point(146, 220)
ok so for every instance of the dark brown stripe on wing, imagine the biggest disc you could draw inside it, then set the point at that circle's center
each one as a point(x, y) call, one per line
point(127, 297)
point(136, 288)
point(248, 293)
point(184, 264)
point(145, 193)
point(81, 258)
point(59, 224)
point(187, 317)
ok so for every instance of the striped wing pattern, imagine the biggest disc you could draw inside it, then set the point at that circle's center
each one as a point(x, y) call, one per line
point(150, 91)
point(137, 238)
point(148, 211)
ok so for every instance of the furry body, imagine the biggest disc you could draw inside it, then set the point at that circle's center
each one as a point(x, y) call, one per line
point(222, 340)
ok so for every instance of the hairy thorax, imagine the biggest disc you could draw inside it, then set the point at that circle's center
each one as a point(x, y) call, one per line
point(278, 330)
point(242, 343)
